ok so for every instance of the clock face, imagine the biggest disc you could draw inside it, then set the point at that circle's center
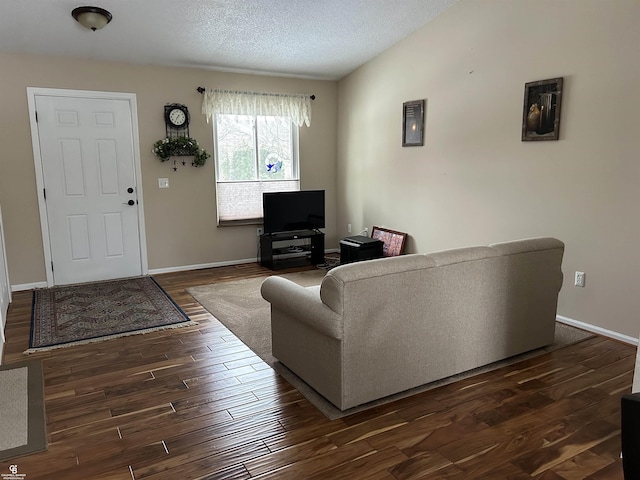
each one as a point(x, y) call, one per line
point(177, 117)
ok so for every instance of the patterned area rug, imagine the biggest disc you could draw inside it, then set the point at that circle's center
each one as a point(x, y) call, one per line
point(79, 314)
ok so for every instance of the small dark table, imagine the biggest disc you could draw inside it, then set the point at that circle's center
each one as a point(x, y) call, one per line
point(358, 248)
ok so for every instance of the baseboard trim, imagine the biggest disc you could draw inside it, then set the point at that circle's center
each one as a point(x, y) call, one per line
point(28, 286)
point(152, 271)
point(598, 330)
point(157, 271)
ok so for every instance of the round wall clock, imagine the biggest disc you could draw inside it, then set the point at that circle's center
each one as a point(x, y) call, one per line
point(176, 116)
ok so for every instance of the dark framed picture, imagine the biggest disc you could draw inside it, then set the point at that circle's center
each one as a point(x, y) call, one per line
point(541, 115)
point(413, 123)
point(392, 239)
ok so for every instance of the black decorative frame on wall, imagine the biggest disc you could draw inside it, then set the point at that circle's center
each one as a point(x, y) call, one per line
point(541, 112)
point(413, 123)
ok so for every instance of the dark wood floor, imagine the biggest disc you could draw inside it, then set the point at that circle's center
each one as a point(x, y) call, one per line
point(196, 403)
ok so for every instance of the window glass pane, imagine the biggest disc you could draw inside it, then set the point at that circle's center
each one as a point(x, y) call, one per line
point(275, 148)
point(236, 156)
point(244, 171)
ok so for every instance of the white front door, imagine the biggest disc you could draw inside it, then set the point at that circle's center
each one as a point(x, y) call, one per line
point(90, 187)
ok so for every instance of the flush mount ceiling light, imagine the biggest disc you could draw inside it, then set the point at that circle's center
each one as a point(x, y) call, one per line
point(93, 18)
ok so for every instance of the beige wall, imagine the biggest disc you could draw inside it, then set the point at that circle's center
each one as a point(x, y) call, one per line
point(180, 221)
point(475, 181)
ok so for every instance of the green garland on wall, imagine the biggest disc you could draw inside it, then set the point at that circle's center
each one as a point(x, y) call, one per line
point(180, 147)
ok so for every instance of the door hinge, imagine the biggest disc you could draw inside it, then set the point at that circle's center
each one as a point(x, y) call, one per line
point(44, 192)
point(51, 267)
point(36, 116)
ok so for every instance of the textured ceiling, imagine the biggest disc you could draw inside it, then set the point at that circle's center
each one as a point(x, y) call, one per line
point(323, 39)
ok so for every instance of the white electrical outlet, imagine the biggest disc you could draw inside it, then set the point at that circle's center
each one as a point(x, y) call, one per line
point(348, 228)
point(259, 231)
point(579, 279)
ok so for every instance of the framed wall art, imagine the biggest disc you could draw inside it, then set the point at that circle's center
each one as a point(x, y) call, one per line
point(392, 239)
point(413, 123)
point(541, 113)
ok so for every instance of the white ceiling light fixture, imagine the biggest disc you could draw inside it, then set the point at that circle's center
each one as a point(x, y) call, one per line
point(93, 18)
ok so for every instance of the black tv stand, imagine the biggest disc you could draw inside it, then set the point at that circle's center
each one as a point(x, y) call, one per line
point(291, 249)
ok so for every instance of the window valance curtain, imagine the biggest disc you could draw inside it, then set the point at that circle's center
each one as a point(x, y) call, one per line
point(295, 106)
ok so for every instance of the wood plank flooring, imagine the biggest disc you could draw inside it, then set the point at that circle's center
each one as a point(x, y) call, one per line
point(195, 403)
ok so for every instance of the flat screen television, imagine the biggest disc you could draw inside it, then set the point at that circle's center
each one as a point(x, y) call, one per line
point(290, 211)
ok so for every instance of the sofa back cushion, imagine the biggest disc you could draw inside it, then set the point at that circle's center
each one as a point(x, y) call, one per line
point(334, 283)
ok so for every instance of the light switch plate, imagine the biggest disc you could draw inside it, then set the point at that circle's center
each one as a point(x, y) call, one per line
point(163, 183)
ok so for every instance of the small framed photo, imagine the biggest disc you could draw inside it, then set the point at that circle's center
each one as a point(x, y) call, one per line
point(413, 123)
point(392, 239)
point(541, 115)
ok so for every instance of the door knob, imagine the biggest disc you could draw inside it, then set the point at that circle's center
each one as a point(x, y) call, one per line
point(130, 202)
point(130, 190)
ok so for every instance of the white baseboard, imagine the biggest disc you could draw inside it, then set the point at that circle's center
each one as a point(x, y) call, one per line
point(153, 271)
point(598, 330)
point(157, 271)
point(28, 286)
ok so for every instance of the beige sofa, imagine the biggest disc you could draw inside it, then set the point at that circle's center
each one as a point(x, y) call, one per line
point(379, 327)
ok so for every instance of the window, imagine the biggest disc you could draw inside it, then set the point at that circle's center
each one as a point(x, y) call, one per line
point(254, 154)
point(256, 147)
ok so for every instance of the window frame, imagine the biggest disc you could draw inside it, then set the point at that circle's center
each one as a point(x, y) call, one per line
point(295, 166)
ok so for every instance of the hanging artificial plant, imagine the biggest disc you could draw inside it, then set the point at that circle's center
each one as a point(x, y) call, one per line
point(180, 147)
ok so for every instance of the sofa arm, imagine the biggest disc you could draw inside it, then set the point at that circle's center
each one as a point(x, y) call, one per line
point(303, 304)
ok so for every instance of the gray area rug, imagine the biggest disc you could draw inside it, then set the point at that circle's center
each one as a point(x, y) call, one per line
point(22, 419)
point(239, 306)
